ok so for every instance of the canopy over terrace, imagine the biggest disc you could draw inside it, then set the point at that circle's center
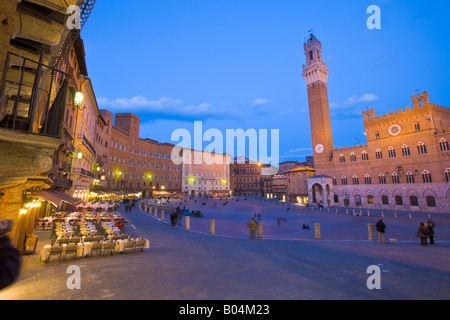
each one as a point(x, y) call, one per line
point(57, 197)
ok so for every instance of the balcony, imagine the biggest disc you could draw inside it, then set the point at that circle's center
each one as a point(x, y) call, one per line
point(32, 96)
point(83, 172)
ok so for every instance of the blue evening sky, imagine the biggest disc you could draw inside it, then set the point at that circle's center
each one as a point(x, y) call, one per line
point(237, 63)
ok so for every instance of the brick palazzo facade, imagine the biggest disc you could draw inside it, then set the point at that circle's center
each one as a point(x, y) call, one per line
point(405, 164)
point(137, 164)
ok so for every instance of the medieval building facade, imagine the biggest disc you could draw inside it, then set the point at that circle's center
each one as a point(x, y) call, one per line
point(405, 164)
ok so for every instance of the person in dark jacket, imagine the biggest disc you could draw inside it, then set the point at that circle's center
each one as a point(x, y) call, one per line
point(381, 229)
point(10, 257)
point(430, 232)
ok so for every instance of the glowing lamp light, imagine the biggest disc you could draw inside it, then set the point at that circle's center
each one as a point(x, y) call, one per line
point(79, 155)
point(78, 99)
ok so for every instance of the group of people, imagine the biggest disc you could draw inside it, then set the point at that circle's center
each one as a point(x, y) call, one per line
point(425, 232)
point(175, 216)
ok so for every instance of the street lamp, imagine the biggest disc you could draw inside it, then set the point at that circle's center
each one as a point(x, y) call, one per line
point(78, 99)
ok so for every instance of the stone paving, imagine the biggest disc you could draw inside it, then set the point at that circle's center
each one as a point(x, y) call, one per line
point(288, 264)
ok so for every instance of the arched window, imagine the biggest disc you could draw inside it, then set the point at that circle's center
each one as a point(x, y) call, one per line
point(413, 201)
point(431, 201)
point(405, 150)
point(426, 175)
point(364, 156)
point(352, 157)
point(367, 179)
point(382, 178)
point(409, 177)
point(344, 180)
point(384, 199)
point(416, 126)
point(377, 135)
point(334, 181)
point(447, 175)
point(421, 148)
point(443, 144)
point(355, 179)
point(395, 178)
point(369, 199)
point(341, 158)
point(391, 152)
point(398, 200)
point(379, 154)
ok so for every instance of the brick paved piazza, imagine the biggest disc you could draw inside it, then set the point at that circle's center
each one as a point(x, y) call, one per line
point(287, 264)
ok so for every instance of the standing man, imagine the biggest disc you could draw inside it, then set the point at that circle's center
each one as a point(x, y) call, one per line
point(252, 228)
point(381, 227)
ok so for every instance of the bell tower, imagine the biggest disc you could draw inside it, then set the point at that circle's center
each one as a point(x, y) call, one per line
point(315, 73)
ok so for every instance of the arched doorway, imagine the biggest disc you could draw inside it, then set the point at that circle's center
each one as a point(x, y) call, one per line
point(317, 194)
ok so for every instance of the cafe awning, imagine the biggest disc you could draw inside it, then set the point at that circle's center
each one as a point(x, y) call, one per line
point(56, 197)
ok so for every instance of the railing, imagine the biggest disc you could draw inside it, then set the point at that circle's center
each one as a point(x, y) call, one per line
point(25, 83)
point(83, 172)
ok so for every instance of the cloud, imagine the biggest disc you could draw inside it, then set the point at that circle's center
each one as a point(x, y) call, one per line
point(353, 106)
point(164, 108)
point(299, 150)
point(258, 102)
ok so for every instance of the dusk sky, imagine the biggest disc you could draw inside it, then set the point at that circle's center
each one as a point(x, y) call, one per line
point(238, 64)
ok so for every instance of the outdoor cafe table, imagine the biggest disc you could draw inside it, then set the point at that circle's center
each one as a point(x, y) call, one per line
point(120, 244)
point(45, 252)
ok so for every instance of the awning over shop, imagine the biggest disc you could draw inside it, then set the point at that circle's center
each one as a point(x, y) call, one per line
point(57, 197)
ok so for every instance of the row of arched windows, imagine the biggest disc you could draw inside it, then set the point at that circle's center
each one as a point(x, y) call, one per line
point(394, 178)
point(398, 200)
point(421, 149)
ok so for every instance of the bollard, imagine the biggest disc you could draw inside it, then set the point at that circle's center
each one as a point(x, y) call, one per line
point(371, 229)
point(162, 215)
point(346, 211)
point(212, 227)
point(382, 214)
point(368, 213)
point(395, 215)
point(410, 215)
point(156, 212)
point(260, 236)
point(317, 229)
point(188, 222)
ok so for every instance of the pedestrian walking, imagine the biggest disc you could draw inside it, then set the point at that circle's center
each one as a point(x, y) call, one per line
point(430, 232)
point(423, 234)
point(381, 229)
point(252, 228)
point(173, 217)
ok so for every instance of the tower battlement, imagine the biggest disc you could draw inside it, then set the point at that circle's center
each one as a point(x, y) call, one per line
point(419, 101)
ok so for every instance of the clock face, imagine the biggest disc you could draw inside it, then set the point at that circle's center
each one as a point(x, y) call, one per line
point(394, 130)
point(319, 148)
